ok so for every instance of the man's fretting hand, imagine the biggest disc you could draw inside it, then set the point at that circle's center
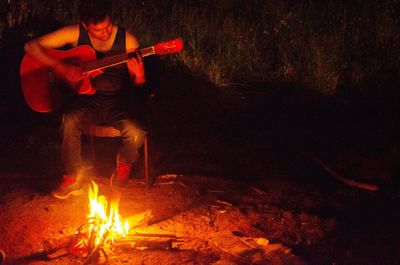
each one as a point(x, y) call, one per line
point(136, 68)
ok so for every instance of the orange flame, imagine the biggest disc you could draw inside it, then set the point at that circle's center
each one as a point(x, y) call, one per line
point(104, 222)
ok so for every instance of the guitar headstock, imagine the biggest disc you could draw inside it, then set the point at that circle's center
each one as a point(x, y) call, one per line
point(172, 46)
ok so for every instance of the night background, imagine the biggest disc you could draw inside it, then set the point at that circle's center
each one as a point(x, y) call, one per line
point(294, 97)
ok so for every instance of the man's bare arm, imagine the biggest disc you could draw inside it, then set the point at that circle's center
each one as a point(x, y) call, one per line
point(59, 38)
point(135, 65)
point(56, 39)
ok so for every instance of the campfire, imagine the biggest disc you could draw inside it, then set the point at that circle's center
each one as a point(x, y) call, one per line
point(104, 225)
point(105, 229)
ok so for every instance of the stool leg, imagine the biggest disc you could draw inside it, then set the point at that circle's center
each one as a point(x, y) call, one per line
point(146, 164)
point(93, 153)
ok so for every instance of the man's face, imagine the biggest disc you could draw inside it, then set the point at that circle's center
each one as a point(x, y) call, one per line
point(101, 30)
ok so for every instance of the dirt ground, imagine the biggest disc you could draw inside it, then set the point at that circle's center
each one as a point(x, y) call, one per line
point(208, 214)
point(284, 218)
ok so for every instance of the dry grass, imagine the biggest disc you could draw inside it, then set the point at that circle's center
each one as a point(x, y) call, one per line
point(310, 43)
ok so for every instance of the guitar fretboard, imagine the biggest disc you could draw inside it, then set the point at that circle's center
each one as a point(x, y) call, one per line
point(115, 60)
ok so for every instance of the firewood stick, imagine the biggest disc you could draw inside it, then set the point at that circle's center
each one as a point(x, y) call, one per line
point(58, 253)
point(350, 182)
point(138, 234)
point(144, 244)
point(333, 173)
point(140, 219)
point(95, 252)
point(61, 249)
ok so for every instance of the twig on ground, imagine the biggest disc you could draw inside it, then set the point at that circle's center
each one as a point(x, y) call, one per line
point(350, 182)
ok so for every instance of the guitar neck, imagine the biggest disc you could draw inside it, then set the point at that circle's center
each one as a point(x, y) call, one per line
point(115, 60)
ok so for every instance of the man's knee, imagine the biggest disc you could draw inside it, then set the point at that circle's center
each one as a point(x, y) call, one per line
point(133, 133)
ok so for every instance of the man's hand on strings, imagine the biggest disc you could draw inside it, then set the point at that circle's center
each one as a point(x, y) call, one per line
point(136, 68)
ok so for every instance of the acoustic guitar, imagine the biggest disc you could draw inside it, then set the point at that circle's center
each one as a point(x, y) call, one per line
point(39, 83)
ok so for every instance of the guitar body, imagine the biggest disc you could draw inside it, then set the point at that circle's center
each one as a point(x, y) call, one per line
point(41, 87)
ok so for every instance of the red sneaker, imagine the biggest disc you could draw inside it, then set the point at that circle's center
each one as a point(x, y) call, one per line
point(121, 175)
point(69, 186)
point(123, 170)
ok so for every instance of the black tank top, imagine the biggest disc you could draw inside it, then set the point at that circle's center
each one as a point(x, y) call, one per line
point(114, 78)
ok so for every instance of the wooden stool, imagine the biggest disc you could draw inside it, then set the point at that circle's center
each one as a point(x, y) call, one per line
point(109, 131)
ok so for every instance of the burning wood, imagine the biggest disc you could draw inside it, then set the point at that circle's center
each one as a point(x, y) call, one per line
point(106, 227)
point(104, 224)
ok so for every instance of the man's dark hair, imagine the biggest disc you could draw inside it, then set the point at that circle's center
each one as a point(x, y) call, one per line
point(94, 11)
